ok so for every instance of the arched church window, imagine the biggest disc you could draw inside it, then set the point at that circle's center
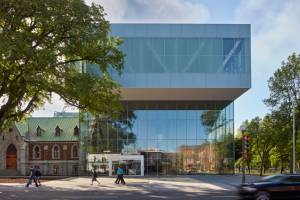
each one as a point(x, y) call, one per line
point(75, 151)
point(36, 152)
point(56, 152)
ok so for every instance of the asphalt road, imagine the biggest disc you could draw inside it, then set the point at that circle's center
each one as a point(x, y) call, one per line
point(33, 194)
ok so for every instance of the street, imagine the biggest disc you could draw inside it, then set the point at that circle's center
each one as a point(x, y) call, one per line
point(69, 195)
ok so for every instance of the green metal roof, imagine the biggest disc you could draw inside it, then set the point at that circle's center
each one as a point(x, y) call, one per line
point(48, 124)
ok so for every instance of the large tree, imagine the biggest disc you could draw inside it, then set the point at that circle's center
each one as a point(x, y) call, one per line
point(262, 140)
point(284, 88)
point(43, 46)
point(281, 130)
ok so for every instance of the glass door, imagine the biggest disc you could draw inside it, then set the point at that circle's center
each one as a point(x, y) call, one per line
point(130, 167)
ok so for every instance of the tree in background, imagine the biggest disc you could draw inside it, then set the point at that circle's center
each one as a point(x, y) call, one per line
point(263, 142)
point(284, 88)
point(43, 44)
point(281, 131)
point(253, 128)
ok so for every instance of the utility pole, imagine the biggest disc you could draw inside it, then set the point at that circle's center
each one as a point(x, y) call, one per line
point(243, 129)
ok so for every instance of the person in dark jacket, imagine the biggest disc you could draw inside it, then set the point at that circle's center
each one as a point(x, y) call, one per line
point(94, 176)
point(38, 176)
point(31, 177)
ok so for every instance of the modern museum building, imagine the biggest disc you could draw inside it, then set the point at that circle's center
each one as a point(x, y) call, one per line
point(178, 89)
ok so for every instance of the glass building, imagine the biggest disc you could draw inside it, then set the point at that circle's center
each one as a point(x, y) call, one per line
point(178, 88)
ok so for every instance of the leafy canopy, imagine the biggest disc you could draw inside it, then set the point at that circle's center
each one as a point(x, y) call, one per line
point(44, 45)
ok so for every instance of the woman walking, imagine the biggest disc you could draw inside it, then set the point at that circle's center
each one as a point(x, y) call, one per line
point(94, 177)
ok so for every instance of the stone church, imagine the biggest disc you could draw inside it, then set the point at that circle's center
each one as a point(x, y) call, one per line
point(50, 144)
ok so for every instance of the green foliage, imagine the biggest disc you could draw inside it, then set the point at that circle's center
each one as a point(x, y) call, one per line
point(271, 142)
point(44, 45)
point(285, 94)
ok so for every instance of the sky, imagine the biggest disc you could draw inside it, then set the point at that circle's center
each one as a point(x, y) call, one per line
point(275, 33)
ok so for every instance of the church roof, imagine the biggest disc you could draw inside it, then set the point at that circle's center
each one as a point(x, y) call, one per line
point(28, 129)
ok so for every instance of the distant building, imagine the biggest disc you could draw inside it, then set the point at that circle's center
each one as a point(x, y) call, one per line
point(51, 144)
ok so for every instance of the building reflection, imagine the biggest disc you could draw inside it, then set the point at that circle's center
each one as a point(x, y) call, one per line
point(191, 141)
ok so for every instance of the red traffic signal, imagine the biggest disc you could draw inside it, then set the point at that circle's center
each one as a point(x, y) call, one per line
point(246, 146)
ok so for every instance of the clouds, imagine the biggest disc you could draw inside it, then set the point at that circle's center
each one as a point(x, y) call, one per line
point(56, 105)
point(154, 11)
point(275, 26)
point(275, 35)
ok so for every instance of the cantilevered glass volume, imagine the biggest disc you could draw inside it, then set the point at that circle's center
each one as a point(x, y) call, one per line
point(178, 88)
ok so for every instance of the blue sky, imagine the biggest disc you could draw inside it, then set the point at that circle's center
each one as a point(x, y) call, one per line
point(275, 35)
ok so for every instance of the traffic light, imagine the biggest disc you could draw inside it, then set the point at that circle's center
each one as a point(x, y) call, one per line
point(246, 146)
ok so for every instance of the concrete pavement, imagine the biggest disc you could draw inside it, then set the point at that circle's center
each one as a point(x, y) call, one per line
point(178, 187)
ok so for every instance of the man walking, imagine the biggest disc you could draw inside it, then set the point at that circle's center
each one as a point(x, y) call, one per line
point(32, 177)
point(120, 173)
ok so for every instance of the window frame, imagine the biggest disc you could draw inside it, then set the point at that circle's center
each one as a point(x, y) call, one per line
point(72, 151)
point(34, 152)
point(54, 152)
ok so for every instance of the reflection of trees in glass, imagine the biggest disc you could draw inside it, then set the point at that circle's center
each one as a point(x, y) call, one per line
point(225, 159)
point(111, 135)
point(216, 122)
point(209, 118)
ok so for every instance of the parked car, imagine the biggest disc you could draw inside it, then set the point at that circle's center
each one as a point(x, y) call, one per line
point(272, 187)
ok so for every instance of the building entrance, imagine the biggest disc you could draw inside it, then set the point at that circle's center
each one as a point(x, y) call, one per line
point(11, 157)
point(108, 163)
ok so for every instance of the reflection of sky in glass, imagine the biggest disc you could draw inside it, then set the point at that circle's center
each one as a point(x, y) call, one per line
point(184, 62)
point(183, 55)
point(168, 130)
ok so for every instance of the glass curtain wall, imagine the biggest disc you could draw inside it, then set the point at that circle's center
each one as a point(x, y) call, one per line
point(150, 61)
point(180, 140)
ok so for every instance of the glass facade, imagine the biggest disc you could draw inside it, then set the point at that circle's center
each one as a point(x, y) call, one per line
point(181, 55)
point(177, 62)
point(172, 141)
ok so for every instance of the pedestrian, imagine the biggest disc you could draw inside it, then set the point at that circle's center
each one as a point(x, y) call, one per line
point(38, 176)
point(94, 176)
point(120, 177)
point(31, 177)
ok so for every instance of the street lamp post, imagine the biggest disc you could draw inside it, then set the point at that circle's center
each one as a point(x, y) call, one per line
point(294, 139)
point(243, 129)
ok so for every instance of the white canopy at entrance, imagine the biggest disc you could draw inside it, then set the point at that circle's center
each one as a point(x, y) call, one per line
point(134, 164)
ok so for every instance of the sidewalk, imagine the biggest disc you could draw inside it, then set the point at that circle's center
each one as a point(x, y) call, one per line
point(199, 184)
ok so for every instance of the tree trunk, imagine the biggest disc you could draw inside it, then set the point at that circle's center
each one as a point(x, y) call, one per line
point(248, 166)
point(281, 167)
point(265, 165)
point(261, 167)
point(291, 159)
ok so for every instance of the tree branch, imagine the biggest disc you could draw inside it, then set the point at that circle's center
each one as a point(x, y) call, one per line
point(27, 108)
